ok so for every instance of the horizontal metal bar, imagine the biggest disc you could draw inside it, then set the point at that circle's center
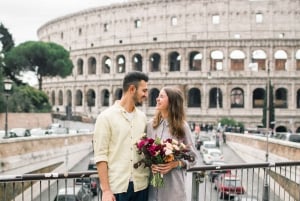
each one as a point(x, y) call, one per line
point(242, 166)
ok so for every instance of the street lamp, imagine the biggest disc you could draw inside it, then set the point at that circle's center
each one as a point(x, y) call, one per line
point(7, 89)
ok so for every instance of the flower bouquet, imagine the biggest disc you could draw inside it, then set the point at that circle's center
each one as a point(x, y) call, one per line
point(156, 151)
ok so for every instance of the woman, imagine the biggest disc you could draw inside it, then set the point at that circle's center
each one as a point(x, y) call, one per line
point(169, 122)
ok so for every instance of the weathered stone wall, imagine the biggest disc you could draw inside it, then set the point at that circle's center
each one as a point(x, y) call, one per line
point(23, 155)
point(25, 120)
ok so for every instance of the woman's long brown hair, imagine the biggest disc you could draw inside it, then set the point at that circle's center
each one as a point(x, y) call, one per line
point(176, 114)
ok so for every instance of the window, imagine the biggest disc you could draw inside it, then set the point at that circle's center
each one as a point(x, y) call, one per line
point(259, 18)
point(174, 21)
point(79, 31)
point(216, 19)
point(105, 27)
point(137, 23)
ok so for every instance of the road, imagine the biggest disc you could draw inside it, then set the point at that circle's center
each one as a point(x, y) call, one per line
point(252, 183)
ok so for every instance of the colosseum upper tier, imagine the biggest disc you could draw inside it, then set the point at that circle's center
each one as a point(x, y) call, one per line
point(221, 53)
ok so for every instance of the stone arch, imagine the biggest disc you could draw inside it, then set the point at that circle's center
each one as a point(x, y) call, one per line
point(118, 94)
point(92, 65)
point(154, 62)
point(194, 97)
point(105, 97)
point(237, 97)
point(216, 60)
point(153, 94)
point(280, 57)
point(53, 97)
point(258, 58)
point(121, 64)
point(137, 62)
point(174, 61)
point(91, 98)
point(258, 98)
point(60, 98)
point(106, 64)
point(79, 67)
point(78, 98)
point(215, 98)
point(237, 59)
point(69, 97)
point(281, 95)
point(195, 61)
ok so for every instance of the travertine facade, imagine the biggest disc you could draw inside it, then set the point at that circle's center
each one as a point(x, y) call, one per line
point(212, 49)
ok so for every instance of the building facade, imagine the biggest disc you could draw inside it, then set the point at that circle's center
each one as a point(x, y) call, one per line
point(221, 53)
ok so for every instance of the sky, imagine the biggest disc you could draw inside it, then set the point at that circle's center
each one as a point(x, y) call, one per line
point(23, 18)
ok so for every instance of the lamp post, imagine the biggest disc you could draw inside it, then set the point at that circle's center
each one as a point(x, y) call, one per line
point(266, 184)
point(7, 89)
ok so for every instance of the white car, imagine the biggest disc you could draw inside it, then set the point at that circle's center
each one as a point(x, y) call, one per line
point(211, 156)
point(208, 145)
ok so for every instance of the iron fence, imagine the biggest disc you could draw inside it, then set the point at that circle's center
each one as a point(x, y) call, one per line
point(260, 181)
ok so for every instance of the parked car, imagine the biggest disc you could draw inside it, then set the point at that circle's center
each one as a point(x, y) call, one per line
point(76, 193)
point(92, 165)
point(228, 186)
point(212, 155)
point(208, 145)
point(90, 182)
point(200, 139)
point(19, 132)
point(39, 132)
point(245, 198)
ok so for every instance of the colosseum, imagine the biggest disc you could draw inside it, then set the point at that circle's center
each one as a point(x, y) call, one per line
point(221, 53)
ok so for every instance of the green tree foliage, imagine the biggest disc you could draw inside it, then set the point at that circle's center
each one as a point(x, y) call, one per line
point(44, 58)
point(271, 107)
point(27, 99)
point(6, 39)
point(233, 124)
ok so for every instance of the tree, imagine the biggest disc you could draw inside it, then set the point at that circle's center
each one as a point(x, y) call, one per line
point(44, 58)
point(271, 109)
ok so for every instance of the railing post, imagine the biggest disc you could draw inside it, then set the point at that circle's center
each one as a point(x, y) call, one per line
point(195, 187)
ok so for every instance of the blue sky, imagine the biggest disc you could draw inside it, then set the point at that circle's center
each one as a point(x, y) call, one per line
point(24, 17)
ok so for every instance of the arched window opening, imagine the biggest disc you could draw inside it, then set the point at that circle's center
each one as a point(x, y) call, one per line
point(215, 98)
point(91, 98)
point(194, 98)
point(298, 98)
point(53, 97)
point(258, 98)
point(106, 64)
point(105, 97)
point(174, 61)
point(69, 98)
point(155, 62)
point(237, 58)
point(298, 60)
point(79, 67)
point(137, 62)
point(195, 60)
point(237, 98)
point(258, 60)
point(280, 60)
point(216, 60)
point(78, 98)
point(60, 97)
point(118, 94)
point(121, 64)
point(152, 97)
point(92, 66)
point(281, 98)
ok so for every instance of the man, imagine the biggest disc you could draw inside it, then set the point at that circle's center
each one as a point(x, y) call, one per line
point(117, 129)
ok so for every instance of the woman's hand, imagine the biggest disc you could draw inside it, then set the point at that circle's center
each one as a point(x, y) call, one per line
point(164, 168)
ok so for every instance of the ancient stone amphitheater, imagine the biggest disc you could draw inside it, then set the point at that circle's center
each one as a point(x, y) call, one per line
point(221, 53)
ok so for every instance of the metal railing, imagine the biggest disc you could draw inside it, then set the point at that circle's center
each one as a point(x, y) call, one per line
point(262, 181)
